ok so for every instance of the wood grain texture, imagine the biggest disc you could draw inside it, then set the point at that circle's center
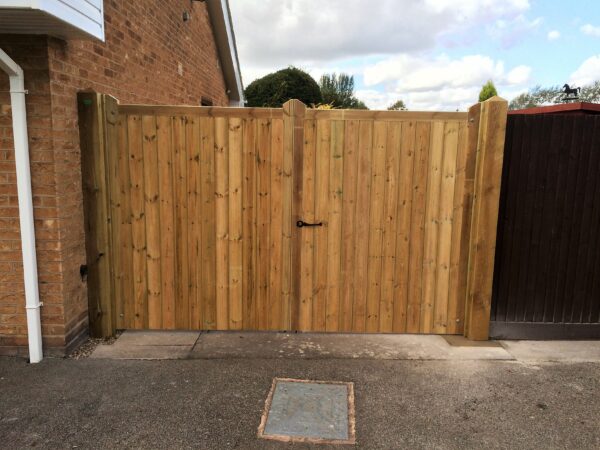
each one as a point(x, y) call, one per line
point(204, 207)
point(484, 220)
point(152, 221)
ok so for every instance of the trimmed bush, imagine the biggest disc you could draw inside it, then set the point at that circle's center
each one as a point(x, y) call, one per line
point(275, 89)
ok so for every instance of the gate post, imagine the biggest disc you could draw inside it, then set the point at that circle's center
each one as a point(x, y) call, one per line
point(484, 219)
point(97, 117)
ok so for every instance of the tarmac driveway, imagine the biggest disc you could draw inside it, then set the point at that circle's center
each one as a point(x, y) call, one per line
point(217, 403)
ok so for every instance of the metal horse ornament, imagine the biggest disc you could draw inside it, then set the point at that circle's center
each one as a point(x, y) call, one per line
point(569, 91)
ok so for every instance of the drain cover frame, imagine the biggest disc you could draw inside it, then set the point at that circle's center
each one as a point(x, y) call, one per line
point(309, 439)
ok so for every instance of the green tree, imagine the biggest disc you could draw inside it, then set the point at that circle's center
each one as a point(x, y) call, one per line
point(338, 91)
point(539, 96)
point(487, 91)
point(398, 105)
point(275, 89)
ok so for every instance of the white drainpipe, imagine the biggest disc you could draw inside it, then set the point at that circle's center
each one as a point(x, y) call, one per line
point(30, 273)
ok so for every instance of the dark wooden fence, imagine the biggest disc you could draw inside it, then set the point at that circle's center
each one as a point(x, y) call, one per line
point(547, 268)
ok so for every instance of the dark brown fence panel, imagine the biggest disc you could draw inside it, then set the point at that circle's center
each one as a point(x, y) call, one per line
point(547, 269)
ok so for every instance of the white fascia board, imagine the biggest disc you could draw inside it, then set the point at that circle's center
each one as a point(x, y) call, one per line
point(233, 49)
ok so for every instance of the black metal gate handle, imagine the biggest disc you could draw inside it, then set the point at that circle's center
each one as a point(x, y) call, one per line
point(302, 223)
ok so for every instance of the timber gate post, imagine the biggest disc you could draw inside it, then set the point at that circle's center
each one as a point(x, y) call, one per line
point(492, 116)
point(97, 128)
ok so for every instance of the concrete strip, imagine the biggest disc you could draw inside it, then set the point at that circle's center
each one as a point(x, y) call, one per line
point(337, 346)
point(168, 338)
point(570, 351)
point(141, 352)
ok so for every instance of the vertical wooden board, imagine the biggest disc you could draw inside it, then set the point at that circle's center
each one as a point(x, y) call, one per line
point(287, 225)
point(320, 259)
point(222, 221)
point(432, 226)
point(361, 242)
point(417, 227)
point(152, 221)
point(120, 214)
point(403, 227)
point(208, 213)
point(138, 226)
point(263, 222)
point(166, 219)
point(390, 225)
point(294, 113)
point(125, 312)
point(308, 215)
point(276, 318)
point(485, 217)
point(180, 178)
point(376, 225)
point(235, 223)
point(446, 211)
point(192, 149)
point(249, 224)
point(334, 225)
point(348, 223)
point(460, 236)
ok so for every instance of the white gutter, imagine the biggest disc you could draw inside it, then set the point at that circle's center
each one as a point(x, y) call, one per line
point(30, 273)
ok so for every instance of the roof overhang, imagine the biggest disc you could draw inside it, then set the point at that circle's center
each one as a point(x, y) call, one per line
point(220, 17)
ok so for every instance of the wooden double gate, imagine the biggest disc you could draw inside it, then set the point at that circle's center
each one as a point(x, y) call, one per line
point(289, 219)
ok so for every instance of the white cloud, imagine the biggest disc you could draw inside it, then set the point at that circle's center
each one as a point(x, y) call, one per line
point(272, 34)
point(437, 83)
point(518, 75)
point(587, 72)
point(590, 30)
point(510, 32)
point(553, 35)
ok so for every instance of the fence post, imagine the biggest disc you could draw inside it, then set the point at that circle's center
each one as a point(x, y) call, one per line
point(293, 116)
point(484, 220)
point(97, 113)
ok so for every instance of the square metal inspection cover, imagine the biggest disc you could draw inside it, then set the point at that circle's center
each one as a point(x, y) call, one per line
point(309, 411)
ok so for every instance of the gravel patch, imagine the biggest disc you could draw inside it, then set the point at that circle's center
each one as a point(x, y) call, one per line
point(87, 348)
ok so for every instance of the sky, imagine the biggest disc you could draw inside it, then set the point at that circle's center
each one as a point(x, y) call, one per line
point(432, 54)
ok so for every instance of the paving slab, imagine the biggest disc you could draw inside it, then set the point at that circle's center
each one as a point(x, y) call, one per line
point(572, 351)
point(149, 345)
point(141, 352)
point(215, 345)
point(158, 337)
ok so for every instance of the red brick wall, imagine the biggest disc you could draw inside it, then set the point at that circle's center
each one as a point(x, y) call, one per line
point(150, 56)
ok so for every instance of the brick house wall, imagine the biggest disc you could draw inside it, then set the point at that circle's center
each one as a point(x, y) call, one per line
point(150, 56)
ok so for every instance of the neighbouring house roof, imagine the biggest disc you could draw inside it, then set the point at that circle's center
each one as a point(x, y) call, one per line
point(564, 108)
point(220, 16)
